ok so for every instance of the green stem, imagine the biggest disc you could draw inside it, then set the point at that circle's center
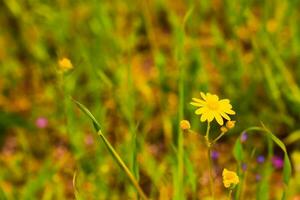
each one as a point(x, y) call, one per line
point(207, 131)
point(123, 166)
point(221, 135)
point(209, 146)
point(229, 195)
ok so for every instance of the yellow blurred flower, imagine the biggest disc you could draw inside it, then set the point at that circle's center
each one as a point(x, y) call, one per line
point(272, 26)
point(230, 178)
point(212, 108)
point(65, 64)
point(185, 125)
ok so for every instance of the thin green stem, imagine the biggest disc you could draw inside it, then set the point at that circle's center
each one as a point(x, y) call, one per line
point(243, 185)
point(211, 182)
point(209, 146)
point(229, 195)
point(207, 131)
point(221, 135)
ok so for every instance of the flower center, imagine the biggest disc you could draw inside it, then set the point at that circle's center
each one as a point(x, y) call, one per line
point(213, 105)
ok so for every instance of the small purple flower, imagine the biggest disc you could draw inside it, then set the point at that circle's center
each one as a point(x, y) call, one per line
point(89, 140)
point(257, 177)
point(260, 159)
point(277, 162)
point(244, 166)
point(214, 155)
point(41, 122)
point(244, 136)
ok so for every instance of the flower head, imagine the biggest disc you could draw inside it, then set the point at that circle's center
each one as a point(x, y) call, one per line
point(65, 64)
point(223, 129)
point(214, 155)
point(244, 166)
point(210, 108)
point(41, 122)
point(230, 178)
point(230, 124)
point(260, 159)
point(185, 125)
point(244, 136)
point(277, 162)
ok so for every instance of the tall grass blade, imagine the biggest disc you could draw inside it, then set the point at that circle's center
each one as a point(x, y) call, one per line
point(112, 151)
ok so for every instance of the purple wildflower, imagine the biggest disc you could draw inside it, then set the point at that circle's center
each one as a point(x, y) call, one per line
point(257, 177)
point(244, 166)
point(244, 136)
point(214, 155)
point(89, 140)
point(277, 162)
point(41, 122)
point(260, 159)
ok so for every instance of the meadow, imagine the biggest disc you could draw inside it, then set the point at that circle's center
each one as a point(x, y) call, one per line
point(150, 99)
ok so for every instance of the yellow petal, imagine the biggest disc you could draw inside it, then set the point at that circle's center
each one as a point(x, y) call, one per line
point(225, 103)
point(224, 115)
point(199, 101)
point(196, 104)
point(224, 171)
point(229, 111)
point(201, 110)
point(219, 118)
point(210, 116)
point(203, 95)
point(227, 184)
point(212, 97)
point(203, 118)
point(215, 97)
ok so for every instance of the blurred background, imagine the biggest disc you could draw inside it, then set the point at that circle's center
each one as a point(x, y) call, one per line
point(128, 58)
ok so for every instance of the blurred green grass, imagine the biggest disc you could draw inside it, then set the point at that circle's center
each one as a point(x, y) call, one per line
point(128, 59)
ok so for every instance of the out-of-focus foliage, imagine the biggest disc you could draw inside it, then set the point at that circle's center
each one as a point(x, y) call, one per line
point(126, 58)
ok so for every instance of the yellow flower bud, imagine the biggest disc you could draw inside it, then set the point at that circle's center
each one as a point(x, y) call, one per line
point(230, 124)
point(185, 125)
point(223, 129)
point(230, 178)
point(65, 64)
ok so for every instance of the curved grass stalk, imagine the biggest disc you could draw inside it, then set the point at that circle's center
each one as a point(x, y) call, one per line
point(112, 151)
point(287, 168)
point(123, 166)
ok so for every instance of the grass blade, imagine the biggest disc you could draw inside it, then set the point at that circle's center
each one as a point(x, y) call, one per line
point(89, 114)
point(287, 168)
point(112, 151)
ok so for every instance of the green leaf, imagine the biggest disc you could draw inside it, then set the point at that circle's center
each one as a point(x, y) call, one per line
point(238, 151)
point(191, 174)
point(293, 137)
point(287, 168)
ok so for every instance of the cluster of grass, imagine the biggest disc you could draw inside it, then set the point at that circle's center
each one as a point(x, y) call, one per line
point(136, 66)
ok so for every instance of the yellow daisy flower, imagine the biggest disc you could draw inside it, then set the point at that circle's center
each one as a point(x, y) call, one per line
point(211, 108)
point(230, 178)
